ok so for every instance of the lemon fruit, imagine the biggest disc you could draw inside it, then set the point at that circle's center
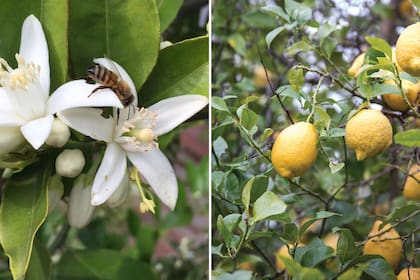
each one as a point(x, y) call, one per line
point(412, 187)
point(331, 240)
point(414, 274)
point(357, 63)
point(294, 150)
point(396, 101)
point(260, 78)
point(408, 49)
point(368, 133)
point(388, 245)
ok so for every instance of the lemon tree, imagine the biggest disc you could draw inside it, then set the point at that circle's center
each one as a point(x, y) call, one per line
point(312, 169)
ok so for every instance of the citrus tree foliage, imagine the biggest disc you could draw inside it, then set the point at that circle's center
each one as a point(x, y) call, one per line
point(275, 64)
point(37, 241)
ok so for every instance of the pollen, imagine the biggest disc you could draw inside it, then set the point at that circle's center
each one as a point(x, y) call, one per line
point(18, 79)
point(140, 128)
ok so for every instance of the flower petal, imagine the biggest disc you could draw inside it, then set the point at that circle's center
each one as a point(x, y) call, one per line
point(115, 67)
point(78, 94)
point(10, 118)
point(37, 131)
point(10, 139)
point(90, 122)
point(157, 170)
point(175, 110)
point(109, 175)
point(34, 48)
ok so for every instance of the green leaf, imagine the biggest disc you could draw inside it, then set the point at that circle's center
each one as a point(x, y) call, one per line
point(53, 16)
point(219, 103)
point(296, 78)
point(399, 213)
point(101, 264)
point(328, 45)
point(337, 132)
point(272, 35)
point(288, 91)
point(379, 269)
point(325, 30)
point(408, 77)
point(259, 19)
point(168, 10)
point(290, 232)
point(22, 211)
point(297, 47)
point(324, 117)
point(353, 273)
point(379, 89)
point(40, 264)
point(182, 68)
point(409, 138)
point(298, 11)
point(277, 11)
point(380, 45)
point(299, 272)
point(127, 32)
point(335, 167)
point(315, 253)
point(237, 275)
point(219, 146)
point(246, 193)
point(248, 118)
point(346, 249)
point(238, 43)
point(268, 205)
point(319, 216)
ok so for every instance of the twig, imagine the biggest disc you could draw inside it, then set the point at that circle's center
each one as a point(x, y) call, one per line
point(272, 89)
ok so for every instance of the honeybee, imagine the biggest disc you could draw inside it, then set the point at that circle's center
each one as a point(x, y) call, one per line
point(111, 80)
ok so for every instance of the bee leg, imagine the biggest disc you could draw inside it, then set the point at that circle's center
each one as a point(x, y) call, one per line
point(98, 88)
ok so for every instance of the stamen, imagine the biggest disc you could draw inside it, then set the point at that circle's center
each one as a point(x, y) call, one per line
point(140, 127)
point(146, 204)
point(20, 78)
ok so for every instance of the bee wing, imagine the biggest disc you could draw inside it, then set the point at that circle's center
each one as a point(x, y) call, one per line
point(109, 64)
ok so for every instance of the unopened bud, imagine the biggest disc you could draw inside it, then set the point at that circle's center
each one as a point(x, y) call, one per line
point(10, 140)
point(165, 44)
point(70, 163)
point(120, 194)
point(55, 191)
point(59, 135)
point(80, 211)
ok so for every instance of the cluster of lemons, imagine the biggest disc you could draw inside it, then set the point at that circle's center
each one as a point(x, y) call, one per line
point(368, 133)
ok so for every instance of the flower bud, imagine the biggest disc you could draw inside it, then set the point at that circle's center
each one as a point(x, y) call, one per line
point(55, 191)
point(120, 194)
point(165, 44)
point(10, 139)
point(80, 211)
point(69, 163)
point(59, 135)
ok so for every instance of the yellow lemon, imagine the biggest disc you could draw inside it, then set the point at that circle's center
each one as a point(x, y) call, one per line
point(331, 240)
point(282, 251)
point(368, 133)
point(396, 101)
point(414, 274)
point(260, 78)
point(412, 187)
point(388, 245)
point(408, 49)
point(357, 63)
point(294, 150)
